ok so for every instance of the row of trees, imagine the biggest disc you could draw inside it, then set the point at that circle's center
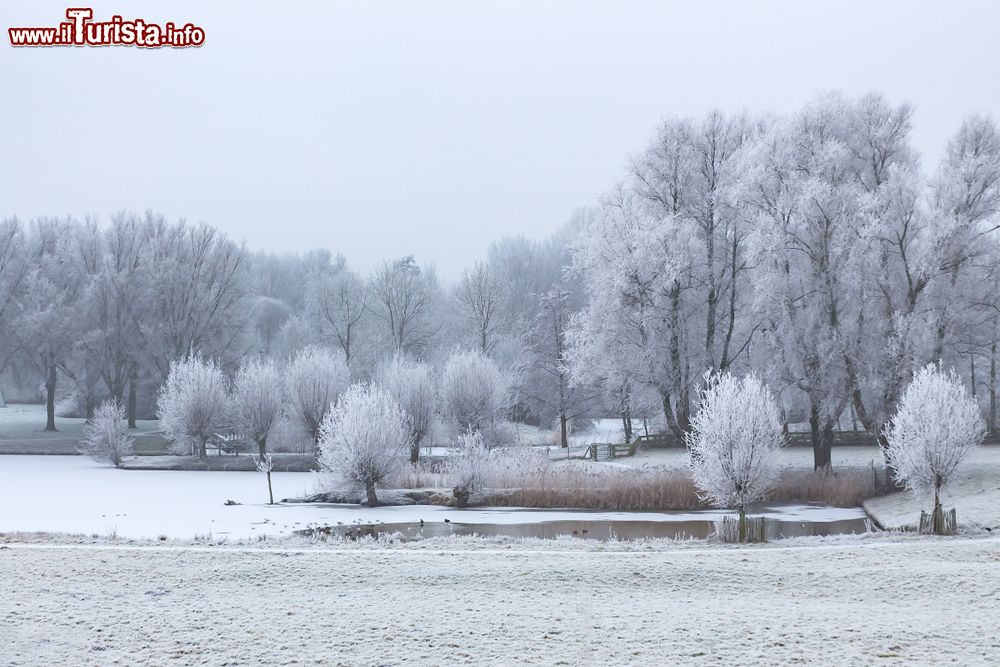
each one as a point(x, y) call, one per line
point(198, 401)
point(812, 249)
point(94, 311)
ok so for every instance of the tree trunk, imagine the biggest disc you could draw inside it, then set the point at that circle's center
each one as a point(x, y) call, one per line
point(50, 398)
point(270, 493)
point(372, 499)
point(993, 386)
point(821, 439)
point(202, 451)
point(743, 524)
point(937, 522)
point(563, 430)
point(415, 450)
point(133, 393)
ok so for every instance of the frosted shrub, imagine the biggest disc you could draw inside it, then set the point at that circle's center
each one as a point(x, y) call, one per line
point(936, 426)
point(473, 391)
point(362, 439)
point(313, 380)
point(193, 404)
point(469, 466)
point(733, 440)
point(257, 403)
point(106, 438)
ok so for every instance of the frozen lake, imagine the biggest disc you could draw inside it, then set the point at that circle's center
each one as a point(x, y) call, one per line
point(71, 494)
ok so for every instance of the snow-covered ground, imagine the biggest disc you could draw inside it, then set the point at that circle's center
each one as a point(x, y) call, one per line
point(20, 421)
point(868, 600)
point(61, 494)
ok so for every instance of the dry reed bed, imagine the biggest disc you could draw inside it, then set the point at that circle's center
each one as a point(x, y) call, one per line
point(532, 481)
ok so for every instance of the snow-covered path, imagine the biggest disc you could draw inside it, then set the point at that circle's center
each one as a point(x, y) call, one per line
point(877, 600)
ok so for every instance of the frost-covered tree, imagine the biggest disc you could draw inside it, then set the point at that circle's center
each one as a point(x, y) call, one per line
point(362, 440)
point(547, 379)
point(733, 440)
point(313, 380)
point(193, 403)
point(473, 391)
point(45, 328)
point(411, 384)
point(469, 466)
point(936, 426)
point(257, 403)
point(106, 438)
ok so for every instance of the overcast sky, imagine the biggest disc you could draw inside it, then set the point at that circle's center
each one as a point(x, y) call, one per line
point(379, 129)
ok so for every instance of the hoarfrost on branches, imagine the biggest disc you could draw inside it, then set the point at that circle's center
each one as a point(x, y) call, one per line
point(469, 465)
point(106, 438)
point(363, 438)
point(193, 403)
point(936, 426)
point(733, 440)
point(473, 390)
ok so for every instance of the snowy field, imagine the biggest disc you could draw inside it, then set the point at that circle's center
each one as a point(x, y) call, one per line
point(871, 600)
point(71, 494)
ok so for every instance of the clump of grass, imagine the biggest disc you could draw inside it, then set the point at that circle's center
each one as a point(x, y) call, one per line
point(525, 477)
point(841, 488)
point(607, 490)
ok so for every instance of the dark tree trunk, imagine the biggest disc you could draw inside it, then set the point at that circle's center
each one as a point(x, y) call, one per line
point(563, 430)
point(415, 450)
point(133, 393)
point(50, 398)
point(822, 439)
point(372, 499)
point(993, 386)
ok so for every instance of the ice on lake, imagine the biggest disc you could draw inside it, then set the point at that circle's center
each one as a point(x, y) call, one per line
point(72, 494)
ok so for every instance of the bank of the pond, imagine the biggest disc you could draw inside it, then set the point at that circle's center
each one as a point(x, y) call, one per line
point(75, 495)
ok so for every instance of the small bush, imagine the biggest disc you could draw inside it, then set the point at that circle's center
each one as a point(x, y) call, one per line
point(469, 466)
point(106, 438)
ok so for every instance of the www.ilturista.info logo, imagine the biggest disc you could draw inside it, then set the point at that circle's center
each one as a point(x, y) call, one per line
point(80, 30)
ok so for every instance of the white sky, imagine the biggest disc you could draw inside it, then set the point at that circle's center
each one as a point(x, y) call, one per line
point(379, 129)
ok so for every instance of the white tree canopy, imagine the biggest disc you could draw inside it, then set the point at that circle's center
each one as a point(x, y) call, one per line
point(473, 390)
point(193, 403)
point(734, 436)
point(936, 426)
point(363, 438)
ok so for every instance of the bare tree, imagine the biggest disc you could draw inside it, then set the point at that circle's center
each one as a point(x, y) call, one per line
point(411, 384)
point(480, 295)
point(341, 304)
point(404, 296)
point(313, 380)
